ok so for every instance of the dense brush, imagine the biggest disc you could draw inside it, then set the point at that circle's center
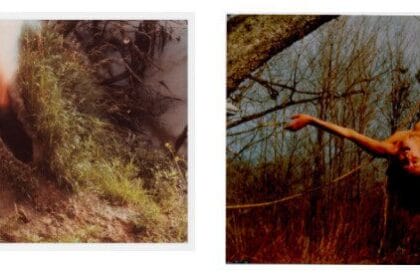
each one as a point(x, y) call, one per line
point(63, 110)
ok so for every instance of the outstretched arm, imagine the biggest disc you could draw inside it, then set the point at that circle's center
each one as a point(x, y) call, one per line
point(372, 146)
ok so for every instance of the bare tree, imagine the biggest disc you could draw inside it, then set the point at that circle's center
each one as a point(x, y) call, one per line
point(345, 73)
point(254, 39)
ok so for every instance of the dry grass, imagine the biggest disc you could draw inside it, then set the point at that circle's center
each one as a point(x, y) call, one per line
point(342, 230)
point(64, 110)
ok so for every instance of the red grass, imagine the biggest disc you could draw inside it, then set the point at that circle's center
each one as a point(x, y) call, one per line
point(342, 229)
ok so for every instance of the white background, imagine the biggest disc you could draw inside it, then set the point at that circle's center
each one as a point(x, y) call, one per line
point(207, 257)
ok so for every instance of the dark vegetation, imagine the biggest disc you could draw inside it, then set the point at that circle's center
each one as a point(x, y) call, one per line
point(86, 120)
point(120, 53)
point(310, 197)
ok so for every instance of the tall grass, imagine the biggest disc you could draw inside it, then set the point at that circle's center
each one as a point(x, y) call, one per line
point(64, 110)
point(343, 229)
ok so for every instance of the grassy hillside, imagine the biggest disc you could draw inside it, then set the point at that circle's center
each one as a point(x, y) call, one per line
point(81, 150)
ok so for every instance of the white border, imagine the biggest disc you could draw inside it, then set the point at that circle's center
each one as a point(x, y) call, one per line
point(190, 244)
point(96, 16)
point(207, 260)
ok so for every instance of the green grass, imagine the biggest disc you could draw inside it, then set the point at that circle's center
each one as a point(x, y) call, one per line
point(65, 111)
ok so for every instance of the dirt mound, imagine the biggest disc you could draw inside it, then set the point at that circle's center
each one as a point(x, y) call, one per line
point(59, 216)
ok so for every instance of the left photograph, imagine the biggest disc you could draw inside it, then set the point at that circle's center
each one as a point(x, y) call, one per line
point(94, 131)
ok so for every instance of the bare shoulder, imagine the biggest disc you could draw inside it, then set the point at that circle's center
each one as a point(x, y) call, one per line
point(403, 136)
point(399, 136)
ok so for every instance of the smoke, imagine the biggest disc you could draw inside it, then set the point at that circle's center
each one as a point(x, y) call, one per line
point(9, 50)
point(10, 31)
point(174, 76)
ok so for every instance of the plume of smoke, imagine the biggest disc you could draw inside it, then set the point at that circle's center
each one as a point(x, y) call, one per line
point(10, 31)
point(174, 74)
point(9, 49)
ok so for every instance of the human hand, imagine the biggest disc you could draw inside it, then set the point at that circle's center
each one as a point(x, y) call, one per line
point(298, 121)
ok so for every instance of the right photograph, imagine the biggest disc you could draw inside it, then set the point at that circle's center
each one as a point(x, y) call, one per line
point(323, 139)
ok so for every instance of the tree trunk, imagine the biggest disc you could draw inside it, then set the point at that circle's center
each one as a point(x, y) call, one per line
point(254, 39)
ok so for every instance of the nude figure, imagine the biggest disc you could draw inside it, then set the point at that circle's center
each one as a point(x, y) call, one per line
point(402, 148)
point(402, 201)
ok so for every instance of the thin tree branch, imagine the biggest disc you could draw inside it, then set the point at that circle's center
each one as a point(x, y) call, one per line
point(270, 85)
point(268, 111)
point(283, 106)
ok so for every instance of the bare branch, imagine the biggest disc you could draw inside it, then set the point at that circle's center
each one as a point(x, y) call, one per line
point(254, 39)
